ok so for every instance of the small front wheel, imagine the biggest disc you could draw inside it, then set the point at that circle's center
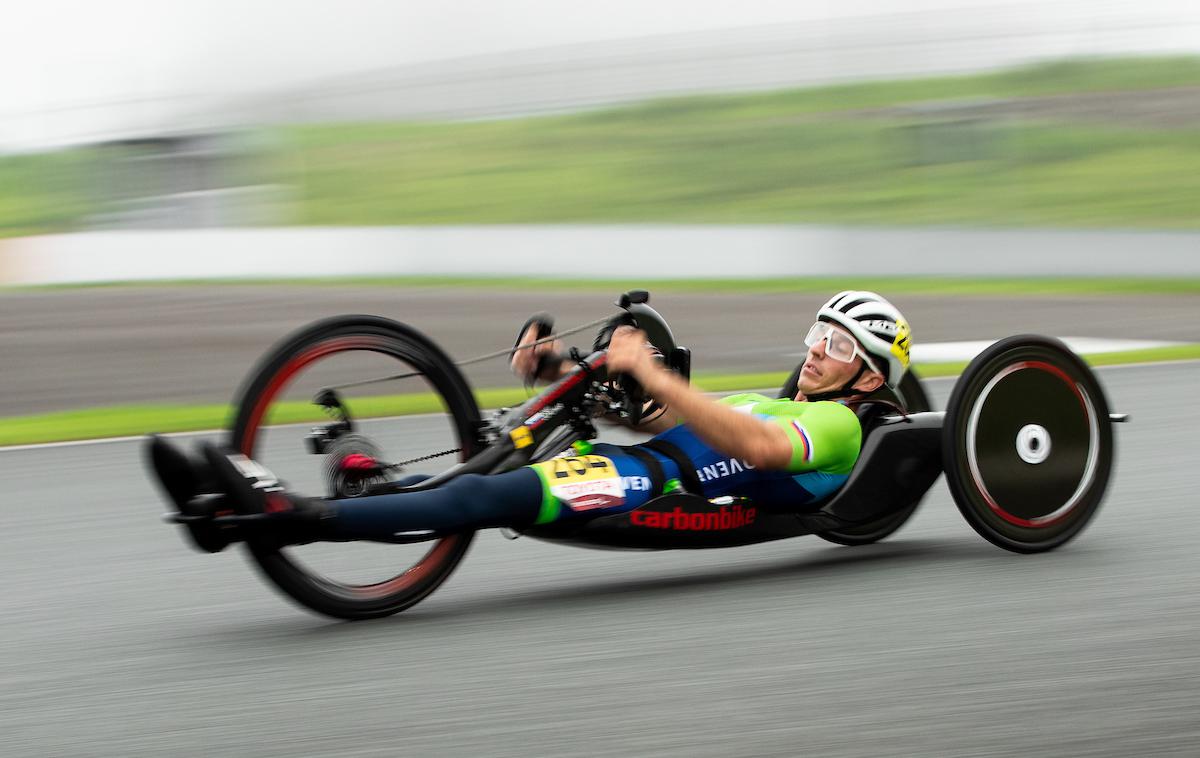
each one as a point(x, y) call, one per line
point(280, 392)
point(1027, 446)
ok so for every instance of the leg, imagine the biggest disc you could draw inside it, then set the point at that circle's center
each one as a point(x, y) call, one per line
point(585, 487)
point(577, 487)
point(467, 503)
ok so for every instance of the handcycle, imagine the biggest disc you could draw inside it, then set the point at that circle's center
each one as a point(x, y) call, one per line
point(1025, 442)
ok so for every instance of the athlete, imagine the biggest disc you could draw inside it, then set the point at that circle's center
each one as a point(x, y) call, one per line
point(785, 454)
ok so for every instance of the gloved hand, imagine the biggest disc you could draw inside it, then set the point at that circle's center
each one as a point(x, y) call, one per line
point(542, 361)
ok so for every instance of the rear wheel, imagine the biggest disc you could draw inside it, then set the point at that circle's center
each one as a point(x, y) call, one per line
point(356, 580)
point(1027, 444)
point(910, 396)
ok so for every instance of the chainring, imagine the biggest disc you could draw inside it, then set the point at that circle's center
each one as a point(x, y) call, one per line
point(343, 482)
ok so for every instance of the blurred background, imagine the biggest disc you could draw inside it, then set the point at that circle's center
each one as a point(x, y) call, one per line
point(181, 185)
point(987, 112)
point(751, 149)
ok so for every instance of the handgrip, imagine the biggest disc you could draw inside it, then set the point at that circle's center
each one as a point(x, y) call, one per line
point(545, 327)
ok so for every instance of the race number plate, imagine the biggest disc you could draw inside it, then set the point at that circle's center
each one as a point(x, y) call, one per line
point(584, 483)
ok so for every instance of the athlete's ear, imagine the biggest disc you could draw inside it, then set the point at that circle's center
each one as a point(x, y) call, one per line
point(869, 381)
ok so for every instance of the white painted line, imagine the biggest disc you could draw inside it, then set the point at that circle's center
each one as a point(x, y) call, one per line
point(185, 435)
point(105, 440)
point(948, 352)
point(953, 352)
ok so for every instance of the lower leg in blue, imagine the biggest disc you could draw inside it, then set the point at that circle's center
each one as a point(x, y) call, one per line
point(469, 502)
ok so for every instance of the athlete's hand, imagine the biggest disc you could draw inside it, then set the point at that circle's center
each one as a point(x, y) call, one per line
point(525, 362)
point(630, 352)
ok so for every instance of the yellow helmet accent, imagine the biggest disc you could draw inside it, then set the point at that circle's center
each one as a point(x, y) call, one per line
point(901, 343)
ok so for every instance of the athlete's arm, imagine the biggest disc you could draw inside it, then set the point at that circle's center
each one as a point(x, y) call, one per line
point(759, 443)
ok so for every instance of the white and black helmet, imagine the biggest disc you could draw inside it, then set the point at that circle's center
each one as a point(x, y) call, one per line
point(878, 327)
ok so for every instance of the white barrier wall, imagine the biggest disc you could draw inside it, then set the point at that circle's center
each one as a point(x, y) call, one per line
point(573, 252)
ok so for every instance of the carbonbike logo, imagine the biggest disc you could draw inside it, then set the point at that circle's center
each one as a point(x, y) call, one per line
point(679, 519)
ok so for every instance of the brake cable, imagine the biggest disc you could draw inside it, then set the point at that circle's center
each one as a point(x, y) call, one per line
point(478, 358)
point(467, 362)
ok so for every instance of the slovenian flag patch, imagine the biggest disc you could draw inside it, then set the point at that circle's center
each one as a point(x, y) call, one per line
point(804, 439)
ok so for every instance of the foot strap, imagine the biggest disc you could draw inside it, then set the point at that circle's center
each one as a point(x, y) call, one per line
point(675, 454)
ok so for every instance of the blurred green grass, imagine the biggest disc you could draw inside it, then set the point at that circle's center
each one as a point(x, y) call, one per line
point(136, 420)
point(855, 172)
point(45, 192)
point(791, 156)
point(777, 157)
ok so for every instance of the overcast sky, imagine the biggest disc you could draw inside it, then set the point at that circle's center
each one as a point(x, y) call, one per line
point(63, 54)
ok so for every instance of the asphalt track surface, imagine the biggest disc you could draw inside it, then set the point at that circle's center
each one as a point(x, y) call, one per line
point(80, 348)
point(118, 641)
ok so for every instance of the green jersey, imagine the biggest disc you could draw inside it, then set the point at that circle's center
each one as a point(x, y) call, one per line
point(825, 436)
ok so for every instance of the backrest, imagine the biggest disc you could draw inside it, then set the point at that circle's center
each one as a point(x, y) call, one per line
point(871, 414)
point(900, 459)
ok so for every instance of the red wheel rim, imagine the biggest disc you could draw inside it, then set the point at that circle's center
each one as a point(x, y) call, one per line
point(428, 563)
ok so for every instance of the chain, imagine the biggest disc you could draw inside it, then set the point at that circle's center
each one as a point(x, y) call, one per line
point(476, 359)
point(402, 464)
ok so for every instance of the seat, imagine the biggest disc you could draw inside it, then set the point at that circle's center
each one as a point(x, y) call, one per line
point(900, 460)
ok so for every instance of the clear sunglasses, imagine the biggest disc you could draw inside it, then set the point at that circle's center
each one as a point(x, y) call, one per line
point(839, 344)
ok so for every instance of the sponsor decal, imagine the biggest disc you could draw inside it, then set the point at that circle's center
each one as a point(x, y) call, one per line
point(881, 325)
point(901, 344)
point(636, 483)
point(584, 482)
point(521, 437)
point(539, 418)
point(721, 469)
point(681, 520)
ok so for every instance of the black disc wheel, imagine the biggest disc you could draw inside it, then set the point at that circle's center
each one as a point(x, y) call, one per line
point(1027, 445)
point(911, 396)
point(275, 414)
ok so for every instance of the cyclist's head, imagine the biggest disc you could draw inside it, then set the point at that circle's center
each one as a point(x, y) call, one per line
point(858, 343)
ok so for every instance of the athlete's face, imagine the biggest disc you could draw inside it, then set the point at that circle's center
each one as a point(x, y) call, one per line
point(824, 373)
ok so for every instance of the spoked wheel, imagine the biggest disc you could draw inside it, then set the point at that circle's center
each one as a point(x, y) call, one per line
point(911, 396)
point(1027, 445)
point(274, 415)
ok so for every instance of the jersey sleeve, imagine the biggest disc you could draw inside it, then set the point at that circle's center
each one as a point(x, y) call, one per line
point(825, 437)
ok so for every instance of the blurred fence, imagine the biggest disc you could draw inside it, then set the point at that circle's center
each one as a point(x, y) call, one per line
point(883, 46)
point(589, 252)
